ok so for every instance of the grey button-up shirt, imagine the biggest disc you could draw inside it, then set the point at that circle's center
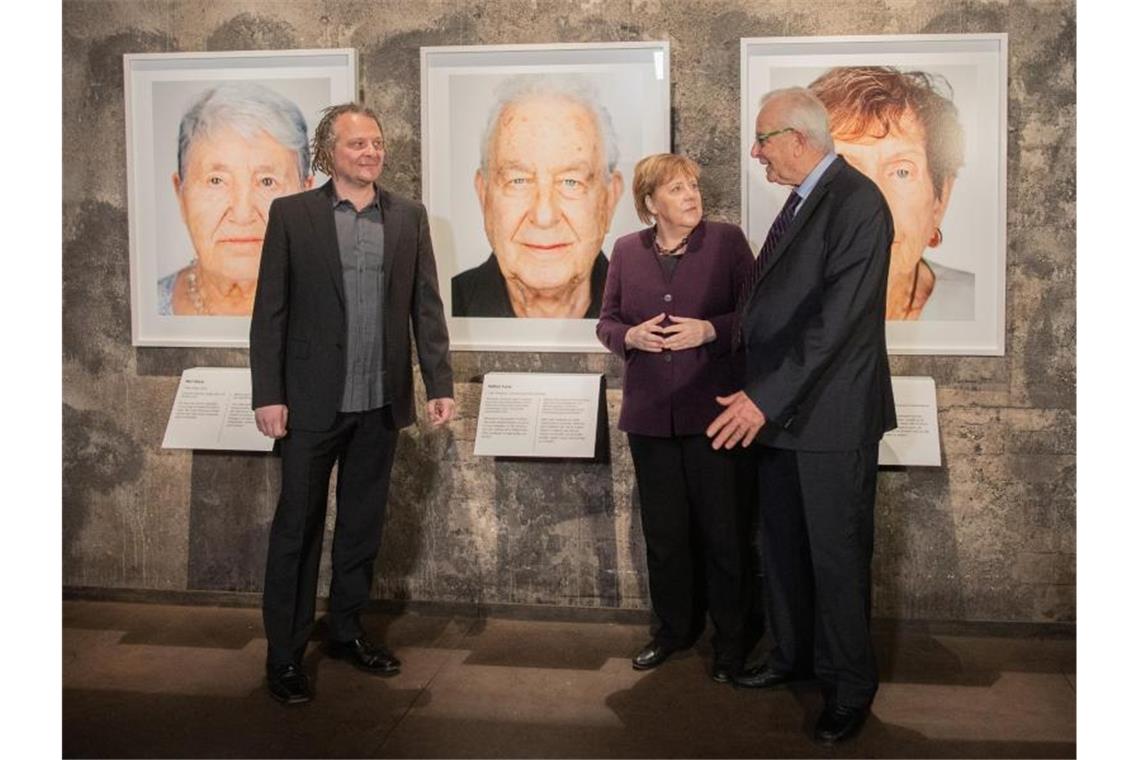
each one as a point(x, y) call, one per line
point(360, 237)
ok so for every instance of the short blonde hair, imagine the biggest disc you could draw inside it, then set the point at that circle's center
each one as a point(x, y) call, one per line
point(653, 171)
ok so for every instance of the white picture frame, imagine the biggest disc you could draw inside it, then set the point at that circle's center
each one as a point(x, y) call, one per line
point(458, 86)
point(973, 230)
point(159, 88)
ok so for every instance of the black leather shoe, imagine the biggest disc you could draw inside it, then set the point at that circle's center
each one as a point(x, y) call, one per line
point(762, 677)
point(839, 723)
point(369, 657)
point(725, 670)
point(652, 654)
point(288, 684)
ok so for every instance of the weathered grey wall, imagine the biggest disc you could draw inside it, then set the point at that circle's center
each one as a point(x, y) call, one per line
point(988, 537)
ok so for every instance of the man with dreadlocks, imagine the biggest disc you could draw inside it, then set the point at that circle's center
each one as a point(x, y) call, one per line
point(345, 269)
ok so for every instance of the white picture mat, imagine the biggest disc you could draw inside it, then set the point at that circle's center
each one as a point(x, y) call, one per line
point(457, 87)
point(538, 414)
point(159, 88)
point(974, 228)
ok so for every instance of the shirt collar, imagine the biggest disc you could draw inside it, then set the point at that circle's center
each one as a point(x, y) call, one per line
point(337, 200)
point(812, 179)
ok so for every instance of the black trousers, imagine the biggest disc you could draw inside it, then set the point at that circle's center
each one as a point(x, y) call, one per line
point(694, 542)
point(362, 445)
point(816, 538)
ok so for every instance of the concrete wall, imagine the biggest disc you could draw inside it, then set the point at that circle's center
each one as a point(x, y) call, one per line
point(990, 536)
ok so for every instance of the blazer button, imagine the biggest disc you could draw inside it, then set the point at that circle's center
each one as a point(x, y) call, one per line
point(668, 358)
point(668, 298)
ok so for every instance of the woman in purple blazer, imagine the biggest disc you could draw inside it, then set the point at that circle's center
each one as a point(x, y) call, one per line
point(668, 312)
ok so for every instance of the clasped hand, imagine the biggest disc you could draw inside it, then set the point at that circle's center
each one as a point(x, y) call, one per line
point(684, 332)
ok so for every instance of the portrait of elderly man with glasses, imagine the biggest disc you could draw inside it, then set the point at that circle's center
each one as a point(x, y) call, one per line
point(548, 186)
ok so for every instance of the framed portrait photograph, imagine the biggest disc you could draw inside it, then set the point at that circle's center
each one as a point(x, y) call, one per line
point(212, 139)
point(528, 157)
point(925, 118)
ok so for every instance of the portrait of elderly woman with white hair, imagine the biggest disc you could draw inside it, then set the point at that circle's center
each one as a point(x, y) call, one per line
point(240, 145)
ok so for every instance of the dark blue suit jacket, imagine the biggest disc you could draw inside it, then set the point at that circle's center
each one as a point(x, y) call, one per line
point(814, 325)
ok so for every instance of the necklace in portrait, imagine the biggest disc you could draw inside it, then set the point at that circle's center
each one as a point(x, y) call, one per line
point(195, 293)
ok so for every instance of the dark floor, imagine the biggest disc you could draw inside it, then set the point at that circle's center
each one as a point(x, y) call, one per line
point(145, 680)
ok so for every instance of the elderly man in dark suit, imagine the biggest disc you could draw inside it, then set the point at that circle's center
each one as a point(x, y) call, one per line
point(817, 398)
point(345, 269)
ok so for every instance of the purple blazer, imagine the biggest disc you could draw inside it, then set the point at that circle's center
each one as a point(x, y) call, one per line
point(674, 393)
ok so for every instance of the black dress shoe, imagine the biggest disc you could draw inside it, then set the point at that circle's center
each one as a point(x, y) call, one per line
point(288, 684)
point(839, 723)
point(725, 670)
point(369, 657)
point(762, 677)
point(652, 654)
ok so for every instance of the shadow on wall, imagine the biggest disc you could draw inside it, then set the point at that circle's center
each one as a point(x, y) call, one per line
point(556, 541)
point(98, 457)
point(233, 496)
point(916, 570)
point(421, 491)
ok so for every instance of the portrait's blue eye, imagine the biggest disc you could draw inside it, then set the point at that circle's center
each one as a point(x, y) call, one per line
point(902, 173)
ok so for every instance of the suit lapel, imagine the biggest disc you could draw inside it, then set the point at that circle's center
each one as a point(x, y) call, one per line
point(324, 227)
point(391, 232)
point(801, 218)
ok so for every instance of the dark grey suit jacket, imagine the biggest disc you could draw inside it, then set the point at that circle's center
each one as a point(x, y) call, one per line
point(297, 334)
point(814, 325)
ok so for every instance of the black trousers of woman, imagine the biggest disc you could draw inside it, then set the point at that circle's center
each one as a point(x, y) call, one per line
point(690, 516)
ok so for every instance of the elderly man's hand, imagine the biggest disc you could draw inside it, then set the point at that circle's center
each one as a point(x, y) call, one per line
point(271, 420)
point(440, 410)
point(738, 423)
point(688, 332)
point(647, 336)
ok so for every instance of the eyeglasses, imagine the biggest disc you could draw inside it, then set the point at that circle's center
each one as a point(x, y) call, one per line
point(763, 137)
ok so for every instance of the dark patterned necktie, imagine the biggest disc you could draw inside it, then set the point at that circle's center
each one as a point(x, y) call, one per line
point(779, 227)
point(777, 230)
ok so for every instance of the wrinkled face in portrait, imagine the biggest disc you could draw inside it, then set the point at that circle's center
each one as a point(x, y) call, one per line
point(358, 153)
point(546, 201)
point(224, 198)
point(776, 146)
point(677, 203)
point(898, 165)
